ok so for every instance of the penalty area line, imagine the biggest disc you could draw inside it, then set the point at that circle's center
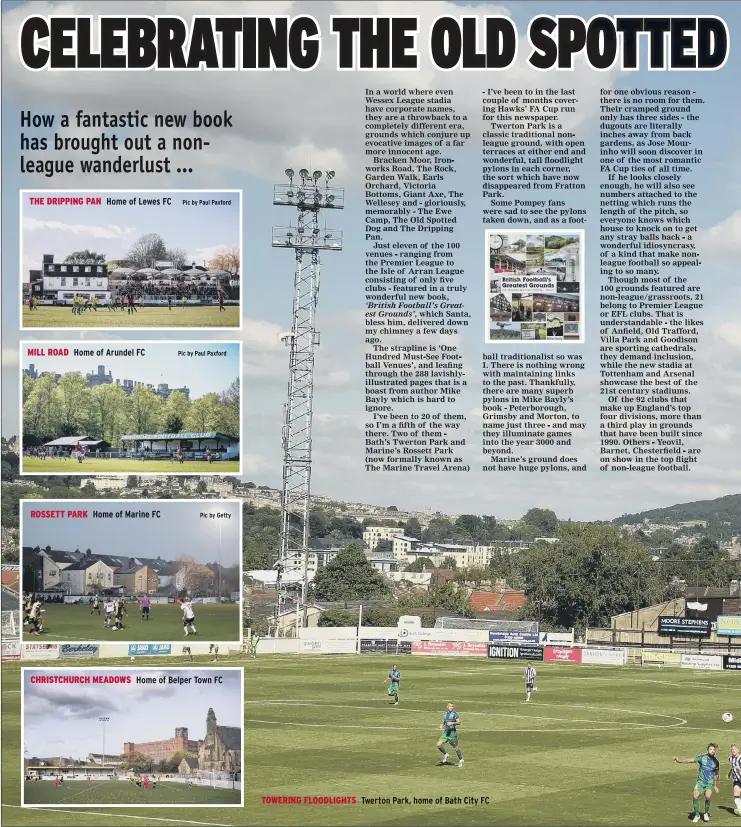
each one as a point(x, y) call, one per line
point(119, 814)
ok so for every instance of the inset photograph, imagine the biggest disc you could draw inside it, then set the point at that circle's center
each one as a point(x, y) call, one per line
point(522, 308)
point(145, 259)
point(504, 331)
point(534, 331)
point(500, 310)
point(120, 571)
point(131, 407)
point(132, 737)
point(555, 325)
point(532, 269)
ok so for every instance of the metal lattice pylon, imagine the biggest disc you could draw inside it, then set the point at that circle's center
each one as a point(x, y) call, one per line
point(307, 239)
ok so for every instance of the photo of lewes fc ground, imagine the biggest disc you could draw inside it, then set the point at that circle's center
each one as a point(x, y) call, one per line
point(595, 745)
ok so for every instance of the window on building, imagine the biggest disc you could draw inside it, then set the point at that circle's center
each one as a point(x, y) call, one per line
point(63, 282)
point(63, 268)
point(88, 268)
point(75, 268)
point(74, 281)
point(87, 281)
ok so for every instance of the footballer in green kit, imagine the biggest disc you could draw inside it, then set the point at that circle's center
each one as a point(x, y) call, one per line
point(393, 680)
point(449, 726)
point(707, 780)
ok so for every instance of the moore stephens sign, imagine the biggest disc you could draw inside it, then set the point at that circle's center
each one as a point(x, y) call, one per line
point(684, 627)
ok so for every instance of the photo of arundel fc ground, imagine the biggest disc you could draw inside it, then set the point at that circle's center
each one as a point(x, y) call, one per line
point(132, 737)
point(164, 407)
point(131, 259)
point(114, 571)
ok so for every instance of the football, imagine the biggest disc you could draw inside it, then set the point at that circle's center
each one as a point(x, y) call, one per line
point(727, 717)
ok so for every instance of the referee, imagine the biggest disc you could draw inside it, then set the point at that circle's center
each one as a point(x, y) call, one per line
point(735, 776)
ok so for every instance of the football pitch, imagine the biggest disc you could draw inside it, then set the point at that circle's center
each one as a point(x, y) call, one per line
point(194, 316)
point(122, 792)
point(66, 623)
point(594, 747)
point(34, 465)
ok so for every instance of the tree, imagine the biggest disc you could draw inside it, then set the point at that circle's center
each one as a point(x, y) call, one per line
point(107, 404)
point(385, 546)
point(203, 414)
point(40, 416)
point(132, 481)
point(349, 577)
point(144, 410)
point(338, 617)
point(420, 564)
point(228, 421)
point(178, 256)
point(438, 530)
point(175, 411)
point(201, 487)
point(449, 562)
point(227, 259)
point(590, 575)
point(146, 251)
point(138, 762)
point(413, 528)
point(543, 519)
point(85, 257)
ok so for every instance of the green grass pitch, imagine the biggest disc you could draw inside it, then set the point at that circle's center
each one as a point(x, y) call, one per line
point(68, 623)
point(34, 465)
point(194, 316)
point(122, 792)
point(594, 747)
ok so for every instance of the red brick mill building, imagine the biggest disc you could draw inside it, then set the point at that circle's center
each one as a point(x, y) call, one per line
point(162, 750)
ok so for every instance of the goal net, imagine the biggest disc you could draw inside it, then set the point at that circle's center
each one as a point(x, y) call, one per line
point(529, 626)
point(11, 625)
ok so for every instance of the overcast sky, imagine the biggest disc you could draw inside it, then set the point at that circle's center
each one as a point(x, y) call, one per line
point(179, 531)
point(62, 719)
point(198, 229)
point(160, 362)
point(316, 119)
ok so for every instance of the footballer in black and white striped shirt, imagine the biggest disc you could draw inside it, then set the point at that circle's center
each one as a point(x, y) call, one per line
point(530, 674)
point(735, 776)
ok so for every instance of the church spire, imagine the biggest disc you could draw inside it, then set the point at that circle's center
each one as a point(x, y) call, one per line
point(210, 722)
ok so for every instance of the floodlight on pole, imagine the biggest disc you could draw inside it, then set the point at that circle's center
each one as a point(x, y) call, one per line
point(307, 238)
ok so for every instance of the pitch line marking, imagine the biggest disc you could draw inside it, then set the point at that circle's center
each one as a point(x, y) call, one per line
point(119, 814)
point(680, 722)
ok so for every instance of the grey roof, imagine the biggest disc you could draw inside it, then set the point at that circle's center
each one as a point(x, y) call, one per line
point(191, 762)
point(231, 736)
point(84, 564)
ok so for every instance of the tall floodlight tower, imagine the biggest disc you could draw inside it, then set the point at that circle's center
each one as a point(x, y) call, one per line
point(307, 239)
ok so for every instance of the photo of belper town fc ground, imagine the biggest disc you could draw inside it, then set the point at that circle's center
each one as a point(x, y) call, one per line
point(132, 737)
point(114, 571)
point(131, 258)
point(134, 407)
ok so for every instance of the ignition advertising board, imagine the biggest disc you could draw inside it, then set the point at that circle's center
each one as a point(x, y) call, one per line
point(499, 651)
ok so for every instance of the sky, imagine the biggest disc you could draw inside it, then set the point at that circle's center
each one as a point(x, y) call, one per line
point(201, 230)
point(179, 531)
point(316, 118)
point(62, 719)
point(161, 362)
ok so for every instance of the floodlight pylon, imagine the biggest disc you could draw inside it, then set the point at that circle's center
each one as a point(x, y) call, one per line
point(307, 239)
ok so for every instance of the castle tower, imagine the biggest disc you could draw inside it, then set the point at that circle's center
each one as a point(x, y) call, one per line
point(211, 722)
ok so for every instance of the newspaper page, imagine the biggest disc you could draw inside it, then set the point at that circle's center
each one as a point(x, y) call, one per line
point(370, 413)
